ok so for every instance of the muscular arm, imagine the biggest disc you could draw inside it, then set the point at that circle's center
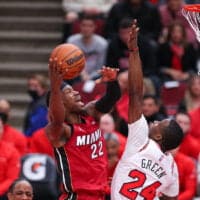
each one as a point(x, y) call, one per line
point(135, 78)
point(56, 130)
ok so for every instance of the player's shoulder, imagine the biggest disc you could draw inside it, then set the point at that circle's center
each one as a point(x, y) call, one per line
point(139, 124)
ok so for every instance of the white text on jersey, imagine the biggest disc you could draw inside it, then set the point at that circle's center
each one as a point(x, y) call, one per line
point(153, 167)
point(88, 139)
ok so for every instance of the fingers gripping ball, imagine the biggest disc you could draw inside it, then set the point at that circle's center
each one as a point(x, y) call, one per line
point(72, 59)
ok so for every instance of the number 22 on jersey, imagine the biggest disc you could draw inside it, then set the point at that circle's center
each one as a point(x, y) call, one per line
point(97, 149)
point(128, 189)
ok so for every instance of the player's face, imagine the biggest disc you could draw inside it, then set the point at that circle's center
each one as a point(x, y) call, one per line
point(155, 130)
point(72, 99)
point(22, 191)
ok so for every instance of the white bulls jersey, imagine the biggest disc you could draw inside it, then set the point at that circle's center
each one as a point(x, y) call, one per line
point(144, 171)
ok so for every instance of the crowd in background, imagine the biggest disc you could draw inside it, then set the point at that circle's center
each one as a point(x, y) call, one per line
point(170, 57)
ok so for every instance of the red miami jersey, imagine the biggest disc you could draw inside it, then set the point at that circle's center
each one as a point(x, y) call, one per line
point(83, 162)
point(144, 171)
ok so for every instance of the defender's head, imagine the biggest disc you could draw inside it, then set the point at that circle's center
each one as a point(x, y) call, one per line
point(167, 133)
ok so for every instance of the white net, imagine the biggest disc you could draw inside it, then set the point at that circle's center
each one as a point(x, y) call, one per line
point(193, 17)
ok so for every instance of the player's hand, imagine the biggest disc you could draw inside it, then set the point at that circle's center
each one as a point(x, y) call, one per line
point(132, 41)
point(107, 74)
point(56, 72)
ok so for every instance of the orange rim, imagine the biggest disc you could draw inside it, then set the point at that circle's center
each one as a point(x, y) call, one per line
point(192, 7)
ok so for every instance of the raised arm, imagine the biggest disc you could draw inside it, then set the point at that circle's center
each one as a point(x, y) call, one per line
point(135, 77)
point(56, 130)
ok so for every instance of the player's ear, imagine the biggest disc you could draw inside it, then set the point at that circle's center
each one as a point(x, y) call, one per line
point(158, 137)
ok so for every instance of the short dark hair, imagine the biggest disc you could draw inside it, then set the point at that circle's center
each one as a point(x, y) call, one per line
point(153, 97)
point(87, 17)
point(172, 136)
point(125, 23)
point(183, 113)
point(14, 183)
point(63, 85)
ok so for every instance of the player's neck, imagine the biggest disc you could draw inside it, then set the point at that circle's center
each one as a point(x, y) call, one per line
point(73, 118)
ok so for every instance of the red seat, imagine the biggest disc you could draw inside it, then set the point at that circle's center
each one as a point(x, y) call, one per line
point(171, 97)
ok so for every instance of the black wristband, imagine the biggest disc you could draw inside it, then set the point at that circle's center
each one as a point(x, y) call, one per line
point(112, 95)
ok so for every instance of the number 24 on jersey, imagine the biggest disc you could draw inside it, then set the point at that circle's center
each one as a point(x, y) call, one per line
point(148, 192)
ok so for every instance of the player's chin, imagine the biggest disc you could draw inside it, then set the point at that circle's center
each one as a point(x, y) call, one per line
point(79, 106)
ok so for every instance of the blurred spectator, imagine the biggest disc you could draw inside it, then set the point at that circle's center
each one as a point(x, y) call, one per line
point(121, 109)
point(192, 94)
point(146, 14)
point(176, 58)
point(93, 46)
point(74, 9)
point(10, 134)
point(151, 109)
point(20, 189)
point(39, 143)
point(9, 164)
point(107, 125)
point(117, 54)
point(195, 125)
point(148, 87)
point(171, 11)
point(189, 145)
point(113, 146)
point(187, 175)
point(36, 116)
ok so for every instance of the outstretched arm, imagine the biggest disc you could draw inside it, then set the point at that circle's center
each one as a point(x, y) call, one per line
point(56, 130)
point(135, 77)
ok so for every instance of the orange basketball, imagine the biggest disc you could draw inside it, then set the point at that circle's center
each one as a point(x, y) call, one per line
point(72, 58)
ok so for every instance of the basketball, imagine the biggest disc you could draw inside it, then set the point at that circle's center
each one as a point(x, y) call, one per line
point(72, 57)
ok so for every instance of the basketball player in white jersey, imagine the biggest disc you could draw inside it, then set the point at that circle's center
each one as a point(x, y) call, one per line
point(146, 170)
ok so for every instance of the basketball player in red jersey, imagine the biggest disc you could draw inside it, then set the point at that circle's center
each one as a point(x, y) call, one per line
point(74, 133)
point(146, 170)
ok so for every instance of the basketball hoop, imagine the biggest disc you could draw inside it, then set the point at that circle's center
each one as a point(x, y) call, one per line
point(192, 13)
